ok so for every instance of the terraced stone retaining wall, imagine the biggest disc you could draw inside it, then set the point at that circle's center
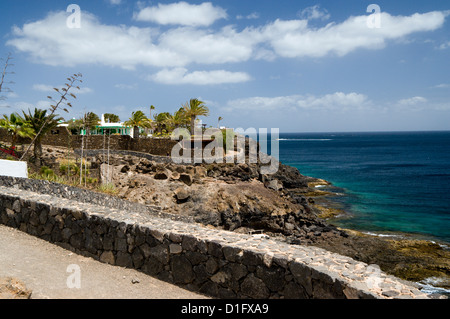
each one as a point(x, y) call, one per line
point(217, 263)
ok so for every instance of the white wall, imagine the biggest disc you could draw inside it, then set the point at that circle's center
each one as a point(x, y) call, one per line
point(13, 169)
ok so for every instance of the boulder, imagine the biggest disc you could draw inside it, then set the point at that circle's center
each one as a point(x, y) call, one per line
point(254, 288)
point(182, 270)
point(275, 185)
point(182, 195)
point(200, 171)
point(187, 179)
point(162, 174)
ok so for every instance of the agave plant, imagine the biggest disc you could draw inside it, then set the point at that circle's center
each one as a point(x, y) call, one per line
point(16, 126)
point(40, 124)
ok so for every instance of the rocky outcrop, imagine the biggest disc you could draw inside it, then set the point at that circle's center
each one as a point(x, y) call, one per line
point(229, 196)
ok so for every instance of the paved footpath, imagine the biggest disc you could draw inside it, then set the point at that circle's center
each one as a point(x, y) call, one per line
point(48, 271)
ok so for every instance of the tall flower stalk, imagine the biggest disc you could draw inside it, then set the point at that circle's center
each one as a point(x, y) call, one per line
point(61, 103)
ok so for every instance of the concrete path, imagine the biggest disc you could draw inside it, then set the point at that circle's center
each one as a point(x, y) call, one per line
point(49, 271)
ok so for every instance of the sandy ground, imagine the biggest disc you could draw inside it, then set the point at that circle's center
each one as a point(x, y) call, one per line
point(52, 272)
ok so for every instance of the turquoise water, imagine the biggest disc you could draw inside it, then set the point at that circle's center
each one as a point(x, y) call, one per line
point(386, 182)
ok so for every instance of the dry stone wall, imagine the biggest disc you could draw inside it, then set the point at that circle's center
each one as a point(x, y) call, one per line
point(213, 262)
point(62, 138)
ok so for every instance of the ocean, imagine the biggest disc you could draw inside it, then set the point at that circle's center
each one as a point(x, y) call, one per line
point(386, 183)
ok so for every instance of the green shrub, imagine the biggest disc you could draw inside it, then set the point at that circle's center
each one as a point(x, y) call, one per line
point(89, 180)
point(70, 168)
point(47, 172)
point(107, 188)
point(230, 146)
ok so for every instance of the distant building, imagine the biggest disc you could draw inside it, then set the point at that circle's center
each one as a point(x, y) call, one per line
point(106, 129)
point(109, 129)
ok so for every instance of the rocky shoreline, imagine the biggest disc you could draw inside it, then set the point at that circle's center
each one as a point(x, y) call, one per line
point(286, 206)
point(404, 255)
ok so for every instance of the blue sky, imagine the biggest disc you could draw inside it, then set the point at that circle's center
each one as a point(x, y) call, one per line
point(300, 66)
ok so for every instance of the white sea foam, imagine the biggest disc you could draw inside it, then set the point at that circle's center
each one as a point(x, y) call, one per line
point(429, 286)
point(381, 235)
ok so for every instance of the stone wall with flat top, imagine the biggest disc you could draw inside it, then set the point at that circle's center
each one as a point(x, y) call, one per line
point(217, 263)
point(61, 137)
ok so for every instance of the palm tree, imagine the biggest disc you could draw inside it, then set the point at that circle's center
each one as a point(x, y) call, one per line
point(41, 124)
point(161, 120)
point(218, 122)
point(16, 126)
point(111, 118)
point(151, 109)
point(91, 121)
point(137, 119)
point(177, 119)
point(76, 125)
point(193, 109)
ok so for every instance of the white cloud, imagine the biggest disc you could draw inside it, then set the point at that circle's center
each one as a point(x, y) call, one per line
point(49, 88)
point(442, 86)
point(181, 76)
point(50, 42)
point(412, 101)
point(337, 101)
point(126, 86)
point(11, 95)
point(251, 16)
point(82, 90)
point(295, 39)
point(182, 13)
point(208, 47)
point(16, 106)
point(115, 2)
point(444, 46)
point(43, 105)
point(43, 87)
point(314, 13)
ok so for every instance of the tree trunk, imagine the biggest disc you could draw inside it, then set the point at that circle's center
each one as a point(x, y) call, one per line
point(14, 140)
point(192, 126)
point(136, 132)
point(38, 153)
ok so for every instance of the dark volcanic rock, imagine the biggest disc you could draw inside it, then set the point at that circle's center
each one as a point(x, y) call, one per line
point(182, 270)
point(290, 177)
point(254, 287)
point(182, 195)
point(187, 179)
point(162, 174)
